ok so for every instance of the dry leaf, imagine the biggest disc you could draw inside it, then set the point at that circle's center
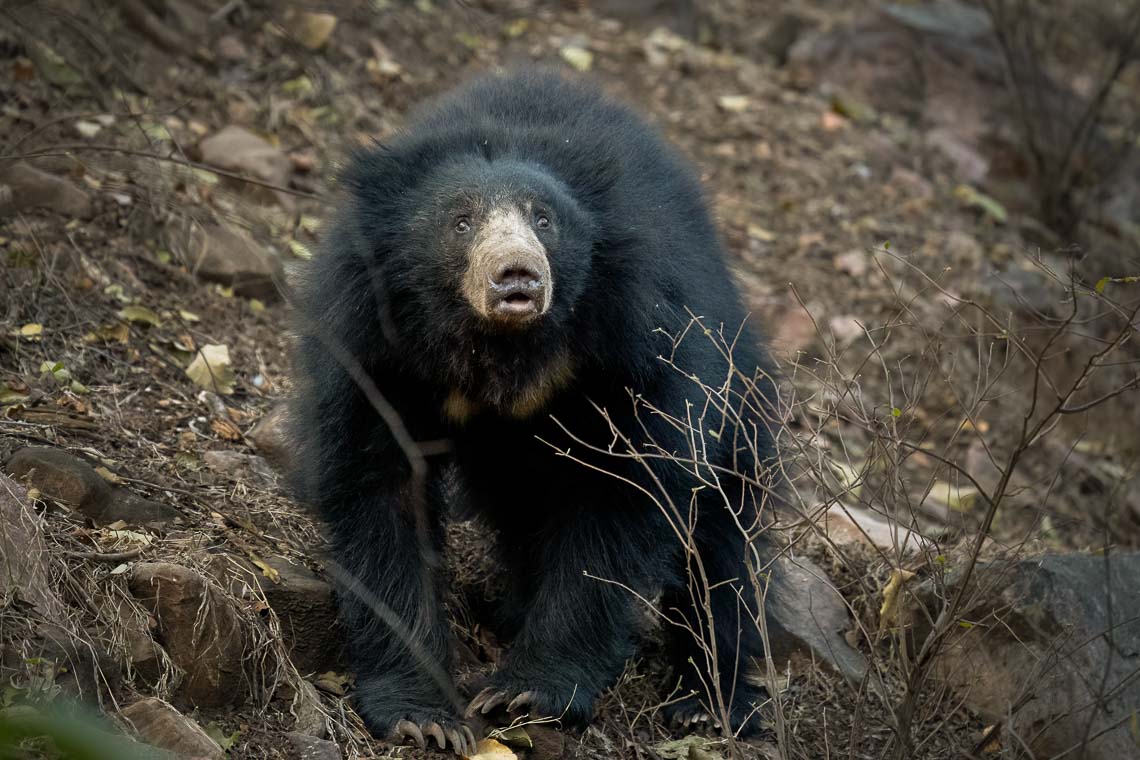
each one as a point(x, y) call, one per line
point(211, 369)
point(108, 476)
point(225, 430)
point(266, 569)
point(140, 315)
point(733, 103)
point(578, 57)
point(489, 749)
point(889, 611)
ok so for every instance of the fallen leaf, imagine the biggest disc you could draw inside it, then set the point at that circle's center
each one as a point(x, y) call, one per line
point(683, 749)
point(578, 57)
point(489, 749)
point(267, 570)
point(516, 28)
point(756, 232)
point(225, 429)
point(88, 129)
point(211, 369)
point(515, 736)
point(32, 331)
point(889, 611)
point(958, 498)
point(300, 250)
point(108, 476)
point(312, 29)
point(831, 121)
point(140, 315)
point(332, 683)
point(733, 103)
point(979, 201)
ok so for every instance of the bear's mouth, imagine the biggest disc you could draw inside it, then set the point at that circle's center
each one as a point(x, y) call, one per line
point(517, 302)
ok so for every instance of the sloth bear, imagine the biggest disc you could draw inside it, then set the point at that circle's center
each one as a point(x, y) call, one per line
point(523, 304)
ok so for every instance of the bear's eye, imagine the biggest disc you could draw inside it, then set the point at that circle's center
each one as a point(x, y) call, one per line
point(462, 225)
point(542, 222)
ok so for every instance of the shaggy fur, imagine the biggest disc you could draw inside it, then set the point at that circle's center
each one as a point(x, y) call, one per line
point(633, 252)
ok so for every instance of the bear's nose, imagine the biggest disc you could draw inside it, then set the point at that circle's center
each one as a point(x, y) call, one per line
point(516, 293)
point(510, 276)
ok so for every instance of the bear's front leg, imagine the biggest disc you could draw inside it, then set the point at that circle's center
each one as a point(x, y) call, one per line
point(578, 631)
point(390, 601)
point(385, 526)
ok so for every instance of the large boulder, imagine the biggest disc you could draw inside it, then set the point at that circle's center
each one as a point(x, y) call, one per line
point(1051, 652)
point(23, 186)
point(66, 478)
point(202, 630)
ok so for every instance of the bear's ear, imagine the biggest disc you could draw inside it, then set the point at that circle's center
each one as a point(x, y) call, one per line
point(377, 173)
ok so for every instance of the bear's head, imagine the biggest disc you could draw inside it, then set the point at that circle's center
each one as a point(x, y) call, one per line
point(505, 235)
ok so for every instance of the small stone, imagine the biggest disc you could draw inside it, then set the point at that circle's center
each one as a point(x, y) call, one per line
point(239, 466)
point(270, 437)
point(853, 262)
point(310, 748)
point(234, 259)
point(128, 506)
point(64, 478)
point(312, 30)
point(229, 48)
point(160, 725)
point(236, 149)
point(31, 188)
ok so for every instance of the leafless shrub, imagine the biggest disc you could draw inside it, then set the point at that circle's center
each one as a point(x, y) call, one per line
point(937, 423)
point(1074, 147)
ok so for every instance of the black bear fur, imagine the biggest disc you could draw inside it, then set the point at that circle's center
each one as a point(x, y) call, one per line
point(386, 343)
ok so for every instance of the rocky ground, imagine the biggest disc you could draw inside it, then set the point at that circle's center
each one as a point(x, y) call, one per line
point(162, 166)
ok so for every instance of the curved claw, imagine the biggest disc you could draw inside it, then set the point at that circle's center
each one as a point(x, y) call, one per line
point(485, 701)
point(520, 700)
point(456, 741)
point(433, 729)
point(471, 743)
point(405, 729)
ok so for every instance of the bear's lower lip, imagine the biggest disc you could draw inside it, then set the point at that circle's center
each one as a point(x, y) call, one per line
point(516, 305)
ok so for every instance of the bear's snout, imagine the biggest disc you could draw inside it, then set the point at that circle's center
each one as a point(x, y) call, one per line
point(516, 291)
point(508, 280)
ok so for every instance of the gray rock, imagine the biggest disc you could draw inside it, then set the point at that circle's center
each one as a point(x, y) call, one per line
point(202, 631)
point(238, 150)
point(239, 466)
point(160, 725)
point(305, 604)
point(128, 506)
point(310, 748)
point(28, 187)
point(62, 477)
point(1052, 652)
point(270, 437)
point(808, 619)
point(232, 258)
